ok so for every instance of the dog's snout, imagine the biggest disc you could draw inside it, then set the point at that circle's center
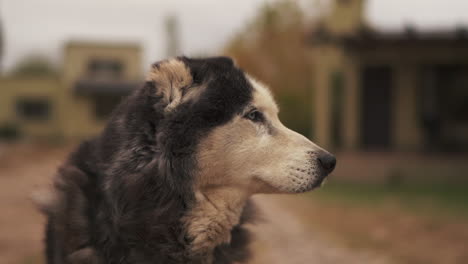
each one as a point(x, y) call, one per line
point(327, 160)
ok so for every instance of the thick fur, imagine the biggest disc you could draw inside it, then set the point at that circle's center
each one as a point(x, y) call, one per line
point(120, 197)
point(169, 179)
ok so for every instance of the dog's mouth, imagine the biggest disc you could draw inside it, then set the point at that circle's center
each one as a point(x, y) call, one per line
point(296, 180)
point(321, 181)
point(307, 180)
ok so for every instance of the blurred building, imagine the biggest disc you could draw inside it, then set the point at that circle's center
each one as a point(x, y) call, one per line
point(94, 78)
point(388, 91)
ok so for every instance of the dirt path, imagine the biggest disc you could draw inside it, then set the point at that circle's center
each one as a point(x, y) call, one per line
point(283, 237)
point(22, 170)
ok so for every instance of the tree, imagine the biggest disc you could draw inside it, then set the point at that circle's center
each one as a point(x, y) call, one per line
point(272, 48)
point(34, 65)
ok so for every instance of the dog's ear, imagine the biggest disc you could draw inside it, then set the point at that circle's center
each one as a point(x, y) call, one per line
point(173, 82)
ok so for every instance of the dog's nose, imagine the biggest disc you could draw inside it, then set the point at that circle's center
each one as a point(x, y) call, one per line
point(327, 160)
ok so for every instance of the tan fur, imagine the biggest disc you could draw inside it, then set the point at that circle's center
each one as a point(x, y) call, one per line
point(263, 98)
point(46, 200)
point(234, 161)
point(210, 222)
point(239, 159)
point(171, 77)
point(85, 255)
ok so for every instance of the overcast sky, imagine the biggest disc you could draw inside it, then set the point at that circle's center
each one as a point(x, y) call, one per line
point(43, 26)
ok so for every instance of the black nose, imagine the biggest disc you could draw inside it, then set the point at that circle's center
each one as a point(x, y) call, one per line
point(328, 161)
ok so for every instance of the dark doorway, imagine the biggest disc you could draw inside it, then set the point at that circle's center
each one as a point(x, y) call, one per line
point(377, 82)
point(444, 107)
point(337, 83)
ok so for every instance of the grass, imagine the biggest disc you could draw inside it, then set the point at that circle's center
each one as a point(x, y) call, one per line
point(34, 259)
point(408, 222)
point(429, 197)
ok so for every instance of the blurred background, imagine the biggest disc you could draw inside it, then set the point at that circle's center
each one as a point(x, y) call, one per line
point(383, 84)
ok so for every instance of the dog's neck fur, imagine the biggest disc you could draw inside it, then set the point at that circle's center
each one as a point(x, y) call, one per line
point(210, 221)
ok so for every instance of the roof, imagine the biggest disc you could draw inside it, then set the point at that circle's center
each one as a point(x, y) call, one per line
point(107, 87)
point(410, 36)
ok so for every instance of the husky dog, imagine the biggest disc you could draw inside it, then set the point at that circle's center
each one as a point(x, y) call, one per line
point(169, 178)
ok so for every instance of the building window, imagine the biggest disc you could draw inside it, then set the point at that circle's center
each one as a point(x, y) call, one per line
point(105, 104)
point(105, 69)
point(37, 109)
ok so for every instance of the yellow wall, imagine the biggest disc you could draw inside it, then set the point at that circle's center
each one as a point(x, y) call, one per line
point(78, 54)
point(72, 116)
point(407, 133)
point(352, 102)
point(13, 89)
point(327, 59)
point(346, 16)
point(80, 120)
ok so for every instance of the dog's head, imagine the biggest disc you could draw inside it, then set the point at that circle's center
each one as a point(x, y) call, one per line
point(228, 123)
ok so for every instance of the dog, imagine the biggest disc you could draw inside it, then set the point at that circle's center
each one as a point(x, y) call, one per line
point(169, 178)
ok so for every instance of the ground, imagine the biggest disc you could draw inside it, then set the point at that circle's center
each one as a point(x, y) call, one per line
point(23, 169)
point(313, 228)
point(283, 235)
point(320, 227)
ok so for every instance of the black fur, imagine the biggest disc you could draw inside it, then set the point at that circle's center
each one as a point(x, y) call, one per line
point(121, 195)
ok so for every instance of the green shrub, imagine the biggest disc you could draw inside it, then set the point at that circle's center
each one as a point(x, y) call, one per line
point(9, 131)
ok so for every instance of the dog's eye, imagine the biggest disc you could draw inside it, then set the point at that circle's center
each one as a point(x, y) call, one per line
point(254, 115)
